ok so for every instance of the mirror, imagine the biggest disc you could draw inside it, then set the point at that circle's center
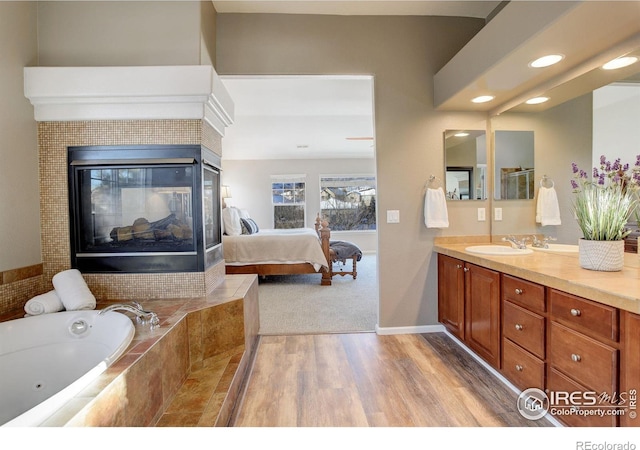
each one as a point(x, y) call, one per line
point(514, 165)
point(465, 159)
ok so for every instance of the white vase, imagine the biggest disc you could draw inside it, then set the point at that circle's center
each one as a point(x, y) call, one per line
point(606, 256)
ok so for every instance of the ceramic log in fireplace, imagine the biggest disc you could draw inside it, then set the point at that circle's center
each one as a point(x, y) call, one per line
point(144, 209)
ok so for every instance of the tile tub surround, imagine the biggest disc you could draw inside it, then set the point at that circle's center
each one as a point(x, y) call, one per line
point(561, 271)
point(217, 332)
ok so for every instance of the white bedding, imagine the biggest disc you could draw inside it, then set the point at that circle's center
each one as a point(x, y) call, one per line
point(292, 246)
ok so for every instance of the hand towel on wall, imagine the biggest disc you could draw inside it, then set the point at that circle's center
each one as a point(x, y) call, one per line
point(547, 209)
point(435, 209)
point(49, 302)
point(73, 290)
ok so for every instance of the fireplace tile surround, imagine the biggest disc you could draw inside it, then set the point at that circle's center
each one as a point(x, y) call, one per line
point(53, 140)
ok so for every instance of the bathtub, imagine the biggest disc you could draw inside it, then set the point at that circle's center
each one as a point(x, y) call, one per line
point(46, 360)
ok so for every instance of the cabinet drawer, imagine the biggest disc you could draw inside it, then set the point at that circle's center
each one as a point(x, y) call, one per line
point(524, 328)
point(589, 362)
point(558, 382)
point(594, 319)
point(528, 294)
point(521, 367)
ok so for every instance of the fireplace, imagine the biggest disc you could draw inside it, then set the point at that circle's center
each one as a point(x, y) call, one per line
point(144, 209)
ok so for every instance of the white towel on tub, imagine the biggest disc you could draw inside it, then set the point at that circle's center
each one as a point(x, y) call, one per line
point(435, 209)
point(49, 302)
point(73, 290)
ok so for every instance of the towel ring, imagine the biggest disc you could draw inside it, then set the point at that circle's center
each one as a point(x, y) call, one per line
point(546, 179)
point(433, 179)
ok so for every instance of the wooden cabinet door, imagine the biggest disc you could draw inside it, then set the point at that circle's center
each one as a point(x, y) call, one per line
point(451, 294)
point(630, 368)
point(482, 314)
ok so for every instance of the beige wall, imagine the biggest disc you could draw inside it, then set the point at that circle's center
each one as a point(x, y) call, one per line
point(402, 53)
point(19, 211)
point(94, 33)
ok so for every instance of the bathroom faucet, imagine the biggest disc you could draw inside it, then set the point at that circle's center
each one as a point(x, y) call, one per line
point(544, 243)
point(143, 317)
point(515, 242)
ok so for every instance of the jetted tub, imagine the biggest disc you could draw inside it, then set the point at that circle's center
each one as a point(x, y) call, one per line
point(45, 360)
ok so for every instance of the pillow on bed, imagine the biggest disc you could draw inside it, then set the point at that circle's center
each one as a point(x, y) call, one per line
point(231, 221)
point(249, 226)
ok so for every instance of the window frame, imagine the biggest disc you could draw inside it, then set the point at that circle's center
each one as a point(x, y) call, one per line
point(355, 177)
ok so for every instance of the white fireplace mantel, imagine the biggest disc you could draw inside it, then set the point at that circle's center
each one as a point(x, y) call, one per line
point(128, 93)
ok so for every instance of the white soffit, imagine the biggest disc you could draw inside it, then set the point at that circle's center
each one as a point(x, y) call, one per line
point(128, 93)
point(495, 61)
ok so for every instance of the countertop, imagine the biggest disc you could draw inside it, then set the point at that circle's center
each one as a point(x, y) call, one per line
point(561, 271)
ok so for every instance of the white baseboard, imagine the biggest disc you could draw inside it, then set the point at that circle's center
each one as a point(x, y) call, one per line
point(410, 330)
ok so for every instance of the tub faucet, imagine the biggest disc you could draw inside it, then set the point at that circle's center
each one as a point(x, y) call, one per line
point(522, 244)
point(143, 317)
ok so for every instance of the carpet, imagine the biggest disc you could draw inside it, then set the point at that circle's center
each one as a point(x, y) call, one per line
point(298, 304)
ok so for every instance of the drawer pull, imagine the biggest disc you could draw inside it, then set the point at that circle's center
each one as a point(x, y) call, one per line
point(575, 312)
point(575, 357)
point(458, 266)
point(519, 327)
point(519, 291)
point(466, 269)
point(519, 367)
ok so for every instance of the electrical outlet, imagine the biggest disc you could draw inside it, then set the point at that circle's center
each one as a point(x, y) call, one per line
point(393, 216)
point(481, 215)
point(497, 214)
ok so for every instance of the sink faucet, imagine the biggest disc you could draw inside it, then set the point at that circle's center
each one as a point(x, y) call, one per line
point(522, 244)
point(143, 317)
point(544, 243)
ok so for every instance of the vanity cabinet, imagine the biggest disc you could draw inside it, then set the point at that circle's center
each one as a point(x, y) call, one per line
point(583, 353)
point(523, 332)
point(469, 305)
point(562, 343)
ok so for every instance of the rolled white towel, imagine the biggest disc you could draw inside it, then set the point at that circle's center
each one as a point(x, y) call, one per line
point(73, 290)
point(49, 302)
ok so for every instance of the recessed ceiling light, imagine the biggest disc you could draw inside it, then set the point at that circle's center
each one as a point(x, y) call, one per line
point(536, 100)
point(483, 99)
point(618, 63)
point(461, 134)
point(546, 61)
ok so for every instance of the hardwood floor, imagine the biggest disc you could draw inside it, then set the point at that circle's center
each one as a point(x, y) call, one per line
point(370, 380)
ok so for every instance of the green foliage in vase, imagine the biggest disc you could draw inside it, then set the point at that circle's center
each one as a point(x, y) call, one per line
point(604, 203)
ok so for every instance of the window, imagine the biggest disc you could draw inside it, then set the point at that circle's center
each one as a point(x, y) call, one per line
point(288, 198)
point(349, 202)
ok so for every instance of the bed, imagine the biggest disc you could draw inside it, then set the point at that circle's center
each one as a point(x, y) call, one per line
point(279, 252)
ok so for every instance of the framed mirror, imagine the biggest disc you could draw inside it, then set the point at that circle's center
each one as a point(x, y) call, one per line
point(465, 159)
point(514, 176)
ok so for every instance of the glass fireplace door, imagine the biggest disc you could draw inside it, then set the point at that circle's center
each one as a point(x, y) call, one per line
point(135, 209)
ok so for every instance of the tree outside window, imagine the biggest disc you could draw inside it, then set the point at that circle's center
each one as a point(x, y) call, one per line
point(349, 202)
point(288, 198)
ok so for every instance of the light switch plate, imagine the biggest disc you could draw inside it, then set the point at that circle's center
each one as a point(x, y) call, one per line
point(497, 214)
point(393, 216)
point(481, 215)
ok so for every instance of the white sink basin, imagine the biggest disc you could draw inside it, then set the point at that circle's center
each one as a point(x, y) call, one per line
point(558, 248)
point(499, 250)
